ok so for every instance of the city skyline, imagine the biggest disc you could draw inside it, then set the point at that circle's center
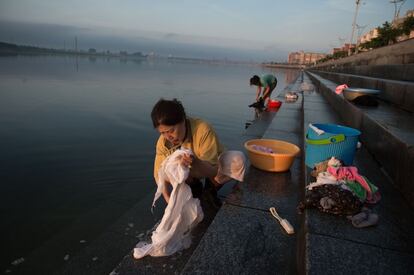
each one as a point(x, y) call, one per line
point(264, 30)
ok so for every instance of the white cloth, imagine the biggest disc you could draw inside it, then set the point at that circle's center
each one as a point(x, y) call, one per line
point(317, 130)
point(333, 162)
point(322, 179)
point(232, 164)
point(291, 95)
point(181, 215)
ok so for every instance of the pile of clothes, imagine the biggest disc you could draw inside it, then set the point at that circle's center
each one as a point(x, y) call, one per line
point(341, 190)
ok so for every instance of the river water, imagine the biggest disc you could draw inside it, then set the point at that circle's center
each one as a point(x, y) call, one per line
point(77, 143)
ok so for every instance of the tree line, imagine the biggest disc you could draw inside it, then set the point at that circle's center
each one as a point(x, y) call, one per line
point(387, 34)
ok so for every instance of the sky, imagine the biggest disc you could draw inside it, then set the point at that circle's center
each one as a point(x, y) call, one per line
point(260, 30)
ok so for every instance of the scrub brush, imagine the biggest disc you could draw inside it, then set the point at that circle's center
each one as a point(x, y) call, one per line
point(283, 222)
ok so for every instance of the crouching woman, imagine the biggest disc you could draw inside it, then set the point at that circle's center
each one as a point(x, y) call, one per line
point(209, 159)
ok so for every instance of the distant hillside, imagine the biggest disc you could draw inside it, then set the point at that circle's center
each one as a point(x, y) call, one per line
point(8, 48)
point(13, 49)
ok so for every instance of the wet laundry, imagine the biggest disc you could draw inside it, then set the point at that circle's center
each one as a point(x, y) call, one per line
point(263, 149)
point(181, 215)
point(291, 95)
point(258, 104)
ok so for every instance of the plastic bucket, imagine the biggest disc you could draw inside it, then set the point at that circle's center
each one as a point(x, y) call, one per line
point(338, 141)
point(274, 103)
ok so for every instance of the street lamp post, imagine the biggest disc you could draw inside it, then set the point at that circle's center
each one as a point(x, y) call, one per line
point(397, 8)
point(358, 2)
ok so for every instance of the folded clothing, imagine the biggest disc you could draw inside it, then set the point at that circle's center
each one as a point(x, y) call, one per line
point(365, 218)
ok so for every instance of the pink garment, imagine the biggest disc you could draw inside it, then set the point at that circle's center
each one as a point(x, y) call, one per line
point(350, 173)
point(340, 89)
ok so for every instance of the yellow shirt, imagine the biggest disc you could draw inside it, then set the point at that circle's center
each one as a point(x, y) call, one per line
point(200, 138)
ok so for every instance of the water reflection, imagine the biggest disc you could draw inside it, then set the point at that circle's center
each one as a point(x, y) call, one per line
point(257, 112)
point(291, 75)
point(92, 59)
point(76, 136)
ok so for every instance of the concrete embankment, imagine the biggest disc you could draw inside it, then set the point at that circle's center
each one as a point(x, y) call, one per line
point(391, 62)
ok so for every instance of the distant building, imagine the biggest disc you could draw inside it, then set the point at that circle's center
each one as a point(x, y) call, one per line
point(399, 20)
point(336, 50)
point(92, 51)
point(295, 58)
point(344, 48)
point(374, 32)
point(303, 58)
point(396, 22)
point(368, 36)
point(138, 54)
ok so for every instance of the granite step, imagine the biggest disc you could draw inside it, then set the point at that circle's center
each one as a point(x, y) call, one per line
point(387, 133)
point(400, 94)
point(330, 244)
point(244, 238)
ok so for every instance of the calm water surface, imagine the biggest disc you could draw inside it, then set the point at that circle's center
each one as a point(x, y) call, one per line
point(77, 144)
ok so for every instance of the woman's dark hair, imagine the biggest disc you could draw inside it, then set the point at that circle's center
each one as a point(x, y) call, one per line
point(255, 80)
point(167, 112)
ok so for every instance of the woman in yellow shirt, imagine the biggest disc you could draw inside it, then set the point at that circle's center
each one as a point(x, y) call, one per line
point(179, 131)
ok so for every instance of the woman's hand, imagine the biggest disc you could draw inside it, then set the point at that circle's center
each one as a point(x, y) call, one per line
point(187, 160)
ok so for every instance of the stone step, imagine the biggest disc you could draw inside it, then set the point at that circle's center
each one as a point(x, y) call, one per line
point(387, 133)
point(244, 238)
point(398, 93)
point(329, 244)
